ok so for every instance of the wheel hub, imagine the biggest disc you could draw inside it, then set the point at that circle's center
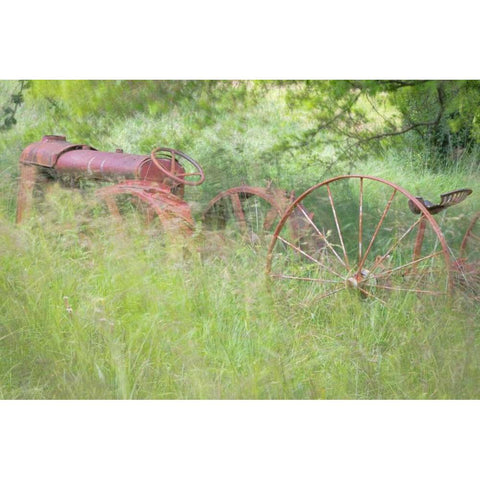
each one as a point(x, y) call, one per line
point(364, 277)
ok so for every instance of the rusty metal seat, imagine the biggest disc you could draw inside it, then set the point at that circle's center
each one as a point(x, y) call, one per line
point(446, 200)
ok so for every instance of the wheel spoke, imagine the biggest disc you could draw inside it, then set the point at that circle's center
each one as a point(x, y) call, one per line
point(360, 221)
point(238, 211)
point(415, 290)
point(377, 229)
point(328, 294)
point(307, 279)
point(314, 260)
point(330, 197)
point(322, 236)
point(409, 264)
point(381, 258)
point(420, 237)
point(396, 252)
point(269, 218)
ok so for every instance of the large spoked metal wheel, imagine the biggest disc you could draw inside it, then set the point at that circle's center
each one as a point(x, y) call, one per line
point(150, 205)
point(360, 236)
point(251, 212)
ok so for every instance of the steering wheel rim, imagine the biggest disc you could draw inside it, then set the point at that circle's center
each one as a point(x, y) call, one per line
point(176, 177)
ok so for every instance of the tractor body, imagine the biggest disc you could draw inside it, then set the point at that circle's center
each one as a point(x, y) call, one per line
point(55, 159)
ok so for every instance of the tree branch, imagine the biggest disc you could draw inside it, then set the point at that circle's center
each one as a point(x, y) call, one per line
point(433, 123)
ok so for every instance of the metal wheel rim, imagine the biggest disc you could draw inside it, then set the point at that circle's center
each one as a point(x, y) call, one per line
point(362, 257)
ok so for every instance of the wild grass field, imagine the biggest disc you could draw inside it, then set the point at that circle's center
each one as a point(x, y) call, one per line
point(93, 311)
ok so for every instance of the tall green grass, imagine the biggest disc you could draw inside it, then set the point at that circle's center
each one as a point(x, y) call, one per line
point(93, 311)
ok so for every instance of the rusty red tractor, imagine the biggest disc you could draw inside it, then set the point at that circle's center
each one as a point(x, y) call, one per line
point(158, 183)
point(349, 232)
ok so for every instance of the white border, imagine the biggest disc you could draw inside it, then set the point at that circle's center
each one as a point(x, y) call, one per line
point(239, 439)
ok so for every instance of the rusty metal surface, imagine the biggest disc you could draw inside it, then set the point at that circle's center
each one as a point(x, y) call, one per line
point(139, 176)
point(46, 152)
point(467, 266)
point(277, 199)
point(446, 200)
point(83, 161)
point(173, 212)
point(170, 166)
point(28, 177)
point(107, 166)
point(470, 235)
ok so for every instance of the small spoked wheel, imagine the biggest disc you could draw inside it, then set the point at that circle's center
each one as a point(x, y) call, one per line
point(152, 208)
point(360, 236)
point(251, 212)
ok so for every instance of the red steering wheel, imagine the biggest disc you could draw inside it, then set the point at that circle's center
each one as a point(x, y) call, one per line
point(171, 155)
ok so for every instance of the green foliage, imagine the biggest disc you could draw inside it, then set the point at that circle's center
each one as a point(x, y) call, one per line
point(362, 118)
point(86, 101)
point(15, 100)
point(448, 111)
